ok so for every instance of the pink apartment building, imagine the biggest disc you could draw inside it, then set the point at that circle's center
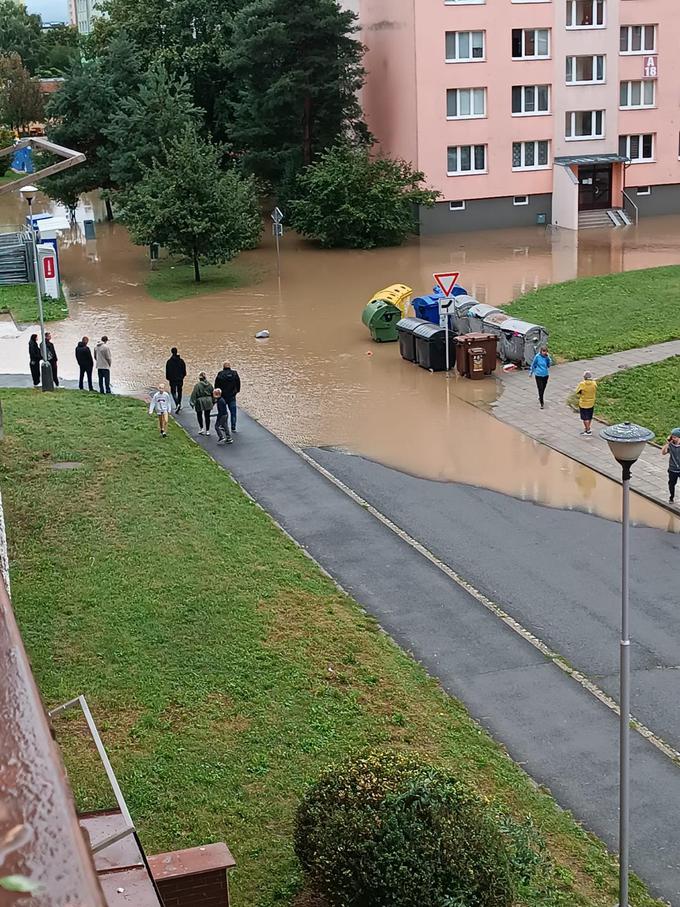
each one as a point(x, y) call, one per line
point(529, 111)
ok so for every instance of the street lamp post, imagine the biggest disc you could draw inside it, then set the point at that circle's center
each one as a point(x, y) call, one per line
point(46, 379)
point(626, 442)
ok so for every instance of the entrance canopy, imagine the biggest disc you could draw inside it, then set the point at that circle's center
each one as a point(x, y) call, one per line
point(592, 159)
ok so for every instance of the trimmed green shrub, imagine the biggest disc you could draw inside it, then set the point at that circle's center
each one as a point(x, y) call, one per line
point(388, 830)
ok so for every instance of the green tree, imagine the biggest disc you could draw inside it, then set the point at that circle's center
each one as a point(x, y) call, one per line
point(191, 206)
point(351, 199)
point(60, 49)
point(162, 108)
point(6, 141)
point(20, 33)
point(297, 70)
point(21, 101)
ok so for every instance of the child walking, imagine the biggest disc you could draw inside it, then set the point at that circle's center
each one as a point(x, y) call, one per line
point(161, 404)
point(587, 392)
point(222, 421)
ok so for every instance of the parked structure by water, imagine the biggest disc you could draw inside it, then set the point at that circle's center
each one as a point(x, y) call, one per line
point(522, 112)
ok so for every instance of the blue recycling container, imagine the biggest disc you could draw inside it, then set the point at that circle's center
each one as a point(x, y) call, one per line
point(427, 307)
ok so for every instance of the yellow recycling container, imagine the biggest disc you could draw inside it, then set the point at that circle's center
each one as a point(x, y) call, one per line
point(398, 295)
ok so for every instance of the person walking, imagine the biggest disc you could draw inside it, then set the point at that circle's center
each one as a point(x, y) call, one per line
point(222, 420)
point(229, 382)
point(102, 359)
point(175, 373)
point(540, 369)
point(587, 393)
point(202, 401)
point(52, 357)
point(671, 449)
point(161, 404)
point(85, 362)
point(34, 359)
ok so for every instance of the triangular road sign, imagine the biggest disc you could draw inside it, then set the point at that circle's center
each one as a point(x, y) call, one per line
point(447, 281)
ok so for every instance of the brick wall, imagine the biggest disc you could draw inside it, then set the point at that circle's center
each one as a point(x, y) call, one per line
point(193, 878)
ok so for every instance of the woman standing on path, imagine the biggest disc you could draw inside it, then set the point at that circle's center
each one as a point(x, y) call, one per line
point(161, 404)
point(672, 449)
point(540, 369)
point(34, 358)
point(587, 394)
point(202, 401)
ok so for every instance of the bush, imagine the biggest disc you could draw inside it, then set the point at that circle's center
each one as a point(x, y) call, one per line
point(388, 830)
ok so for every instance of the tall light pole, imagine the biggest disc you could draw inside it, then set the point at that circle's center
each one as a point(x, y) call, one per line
point(626, 442)
point(46, 379)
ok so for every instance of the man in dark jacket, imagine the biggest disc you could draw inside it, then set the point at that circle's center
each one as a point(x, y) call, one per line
point(175, 373)
point(229, 383)
point(85, 361)
point(52, 357)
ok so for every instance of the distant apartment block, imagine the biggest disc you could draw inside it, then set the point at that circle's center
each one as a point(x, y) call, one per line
point(529, 111)
point(82, 14)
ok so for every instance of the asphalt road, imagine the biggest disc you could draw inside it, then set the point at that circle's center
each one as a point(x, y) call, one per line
point(555, 571)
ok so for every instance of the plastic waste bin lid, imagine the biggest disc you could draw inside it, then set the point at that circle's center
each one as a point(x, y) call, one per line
point(428, 331)
point(520, 327)
point(408, 325)
point(472, 339)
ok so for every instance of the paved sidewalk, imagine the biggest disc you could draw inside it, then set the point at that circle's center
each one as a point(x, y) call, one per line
point(558, 426)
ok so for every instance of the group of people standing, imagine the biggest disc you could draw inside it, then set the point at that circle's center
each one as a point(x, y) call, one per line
point(84, 357)
point(204, 397)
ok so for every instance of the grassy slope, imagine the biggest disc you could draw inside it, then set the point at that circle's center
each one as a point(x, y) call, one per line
point(598, 315)
point(21, 302)
point(173, 281)
point(647, 395)
point(224, 670)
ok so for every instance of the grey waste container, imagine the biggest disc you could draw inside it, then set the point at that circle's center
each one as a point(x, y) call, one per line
point(460, 308)
point(431, 347)
point(520, 341)
point(493, 322)
point(407, 342)
point(476, 315)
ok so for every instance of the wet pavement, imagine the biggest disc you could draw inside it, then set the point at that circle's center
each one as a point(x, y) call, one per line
point(318, 380)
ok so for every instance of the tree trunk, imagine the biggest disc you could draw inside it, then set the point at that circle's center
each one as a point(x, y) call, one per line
point(109, 209)
point(307, 131)
point(197, 273)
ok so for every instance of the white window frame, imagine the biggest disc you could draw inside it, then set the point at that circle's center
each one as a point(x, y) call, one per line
point(571, 15)
point(459, 59)
point(572, 123)
point(643, 190)
point(518, 204)
point(466, 116)
point(640, 137)
point(629, 42)
point(530, 113)
point(533, 56)
point(523, 167)
point(571, 62)
point(629, 92)
point(464, 2)
point(472, 171)
point(458, 205)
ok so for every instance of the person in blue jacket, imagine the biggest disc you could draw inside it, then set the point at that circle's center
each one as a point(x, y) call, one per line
point(540, 369)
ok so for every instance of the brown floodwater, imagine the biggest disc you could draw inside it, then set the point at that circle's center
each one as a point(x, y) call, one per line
point(318, 379)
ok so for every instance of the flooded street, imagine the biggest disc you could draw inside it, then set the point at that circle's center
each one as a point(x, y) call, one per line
point(313, 381)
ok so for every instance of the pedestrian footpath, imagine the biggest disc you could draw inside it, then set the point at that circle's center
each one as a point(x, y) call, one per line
point(558, 426)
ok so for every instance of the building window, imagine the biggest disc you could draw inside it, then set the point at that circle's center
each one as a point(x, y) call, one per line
point(637, 94)
point(465, 103)
point(638, 39)
point(457, 206)
point(464, 46)
point(462, 2)
point(585, 13)
point(464, 159)
point(530, 155)
point(530, 43)
point(643, 190)
point(637, 147)
point(584, 70)
point(520, 200)
point(584, 124)
point(530, 99)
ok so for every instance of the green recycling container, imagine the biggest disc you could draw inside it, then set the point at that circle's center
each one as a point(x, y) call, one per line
point(381, 318)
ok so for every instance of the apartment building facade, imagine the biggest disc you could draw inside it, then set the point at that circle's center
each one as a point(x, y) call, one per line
point(529, 111)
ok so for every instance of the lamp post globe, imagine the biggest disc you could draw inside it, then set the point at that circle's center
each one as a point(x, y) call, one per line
point(626, 441)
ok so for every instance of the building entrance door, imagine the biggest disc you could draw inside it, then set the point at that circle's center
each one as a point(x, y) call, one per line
point(594, 187)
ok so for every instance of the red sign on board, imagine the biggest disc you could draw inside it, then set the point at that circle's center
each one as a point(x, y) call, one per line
point(650, 66)
point(48, 266)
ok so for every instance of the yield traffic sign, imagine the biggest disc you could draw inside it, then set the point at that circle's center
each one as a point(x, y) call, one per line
point(447, 281)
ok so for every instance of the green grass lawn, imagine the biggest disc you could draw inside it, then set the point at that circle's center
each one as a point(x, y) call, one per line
point(21, 302)
point(223, 668)
point(598, 315)
point(8, 177)
point(647, 395)
point(175, 280)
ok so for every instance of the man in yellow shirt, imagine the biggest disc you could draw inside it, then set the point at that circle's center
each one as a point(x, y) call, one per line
point(587, 392)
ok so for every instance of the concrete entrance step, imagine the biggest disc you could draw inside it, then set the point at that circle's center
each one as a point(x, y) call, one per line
point(604, 217)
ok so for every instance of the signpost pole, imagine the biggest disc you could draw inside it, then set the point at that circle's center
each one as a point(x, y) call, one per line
point(447, 282)
point(278, 251)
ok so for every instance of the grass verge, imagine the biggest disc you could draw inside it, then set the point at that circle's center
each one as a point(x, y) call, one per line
point(20, 301)
point(647, 394)
point(223, 668)
point(174, 280)
point(598, 315)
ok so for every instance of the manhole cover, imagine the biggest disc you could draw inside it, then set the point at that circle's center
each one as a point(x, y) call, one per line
point(67, 464)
